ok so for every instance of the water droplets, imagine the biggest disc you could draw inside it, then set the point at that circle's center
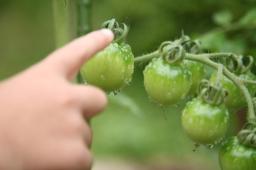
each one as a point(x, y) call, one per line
point(196, 147)
point(115, 92)
point(210, 146)
point(102, 77)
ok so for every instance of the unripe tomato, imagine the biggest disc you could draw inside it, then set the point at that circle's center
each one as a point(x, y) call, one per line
point(111, 68)
point(205, 123)
point(235, 98)
point(198, 72)
point(166, 83)
point(235, 156)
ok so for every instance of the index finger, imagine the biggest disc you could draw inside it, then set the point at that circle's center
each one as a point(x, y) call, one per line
point(72, 56)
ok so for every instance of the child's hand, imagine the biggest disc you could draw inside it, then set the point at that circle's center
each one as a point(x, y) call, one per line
point(43, 116)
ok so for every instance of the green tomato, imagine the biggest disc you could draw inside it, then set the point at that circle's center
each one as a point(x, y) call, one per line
point(235, 98)
point(198, 72)
point(111, 68)
point(235, 156)
point(205, 123)
point(166, 83)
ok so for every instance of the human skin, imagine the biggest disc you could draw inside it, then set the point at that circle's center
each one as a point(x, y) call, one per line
point(44, 117)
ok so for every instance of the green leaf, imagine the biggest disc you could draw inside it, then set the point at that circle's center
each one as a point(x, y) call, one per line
point(249, 19)
point(223, 18)
point(218, 41)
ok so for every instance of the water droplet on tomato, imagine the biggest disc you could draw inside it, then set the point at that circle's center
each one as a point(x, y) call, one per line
point(196, 147)
point(102, 77)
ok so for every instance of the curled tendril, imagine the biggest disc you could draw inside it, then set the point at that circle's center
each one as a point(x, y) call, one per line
point(212, 94)
point(191, 46)
point(247, 66)
point(174, 51)
point(120, 32)
point(247, 136)
point(236, 63)
point(171, 52)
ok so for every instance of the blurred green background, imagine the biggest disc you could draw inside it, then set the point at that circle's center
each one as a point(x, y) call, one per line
point(132, 127)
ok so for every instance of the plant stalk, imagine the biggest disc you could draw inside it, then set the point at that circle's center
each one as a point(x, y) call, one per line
point(64, 12)
point(83, 24)
point(84, 17)
point(146, 57)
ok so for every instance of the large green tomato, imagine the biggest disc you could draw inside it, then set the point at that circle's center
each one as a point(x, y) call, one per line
point(198, 72)
point(205, 123)
point(235, 156)
point(235, 98)
point(111, 68)
point(166, 83)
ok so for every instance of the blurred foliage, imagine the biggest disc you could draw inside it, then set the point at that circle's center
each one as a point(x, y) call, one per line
point(26, 31)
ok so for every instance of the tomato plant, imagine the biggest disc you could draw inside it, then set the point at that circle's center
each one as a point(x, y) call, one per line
point(175, 71)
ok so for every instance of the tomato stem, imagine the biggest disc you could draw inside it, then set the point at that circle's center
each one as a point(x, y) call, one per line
point(219, 74)
point(146, 57)
point(215, 55)
point(83, 17)
point(149, 56)
point(64, 16)
point(237, 81)
point(83, 8)
point(248, 81)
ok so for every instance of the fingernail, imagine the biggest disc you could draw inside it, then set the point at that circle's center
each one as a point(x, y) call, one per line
point(108, 33)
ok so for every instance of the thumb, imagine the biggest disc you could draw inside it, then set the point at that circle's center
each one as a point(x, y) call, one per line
point(68, 59)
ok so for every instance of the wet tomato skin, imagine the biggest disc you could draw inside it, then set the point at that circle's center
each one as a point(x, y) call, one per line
point(205, 123)
point(198, 72)
point(110, 69)
point(165, 83)
point(235, 156)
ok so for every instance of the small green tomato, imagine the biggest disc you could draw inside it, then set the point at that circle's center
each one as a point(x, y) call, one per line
point(110, 69)
point(205, 123)
point(235, 156)
point(166, 83)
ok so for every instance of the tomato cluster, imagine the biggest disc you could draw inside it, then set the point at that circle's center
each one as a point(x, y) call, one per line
point(172, 76)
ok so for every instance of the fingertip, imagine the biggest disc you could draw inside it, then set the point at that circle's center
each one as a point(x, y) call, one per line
point(102, 97)
point(93, 100)
point(108, 34)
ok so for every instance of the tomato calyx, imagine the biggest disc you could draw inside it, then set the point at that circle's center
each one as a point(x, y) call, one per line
point(211, 93)
point(171, 52)
point(237, 64)
point(190, 46)
point(247, 136)
point(175, 51)
point(120, 30)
